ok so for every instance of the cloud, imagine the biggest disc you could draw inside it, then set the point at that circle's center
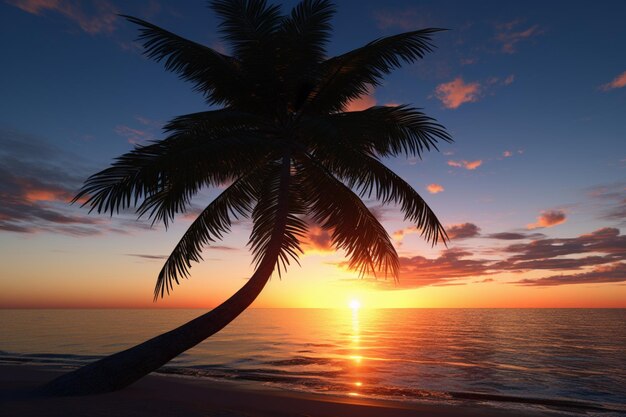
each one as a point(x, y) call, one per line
point(548, 218)
point(364, 102)
point(515, 236)
point(456, 92)
point(602, 274)
point(508, 35)
point(149, 257)
point(407, 19)
point(93, 17)
point(435, 188)
point(509, 80)
point(134, 136)
point(507, 154)
point(462, 231)
point(317, 240)
point(618, 82)
point(452, 264)
point(602, 246)
point(37, 181)
point(613, 200)
point(469, 165)
point(594, 257)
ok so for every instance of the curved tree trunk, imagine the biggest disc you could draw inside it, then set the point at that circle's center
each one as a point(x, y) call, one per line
point(122, 369)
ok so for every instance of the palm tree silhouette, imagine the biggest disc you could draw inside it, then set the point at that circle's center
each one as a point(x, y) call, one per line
point(284, 142)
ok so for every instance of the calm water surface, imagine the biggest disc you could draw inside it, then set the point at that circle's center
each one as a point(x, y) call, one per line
point(420, 354)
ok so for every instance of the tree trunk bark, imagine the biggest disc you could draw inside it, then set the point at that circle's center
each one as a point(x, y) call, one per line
point(121, 369)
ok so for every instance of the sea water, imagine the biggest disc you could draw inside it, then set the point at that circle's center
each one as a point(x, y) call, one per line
point(552, 357)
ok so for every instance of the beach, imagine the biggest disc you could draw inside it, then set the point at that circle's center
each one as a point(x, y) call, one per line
point(159, 395)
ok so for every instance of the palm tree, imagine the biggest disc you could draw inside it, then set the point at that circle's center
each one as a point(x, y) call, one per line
point(284, 142)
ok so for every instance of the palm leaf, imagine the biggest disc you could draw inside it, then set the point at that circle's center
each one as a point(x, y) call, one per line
point(216, 75)
point(349, 76)
point(278, 200)
point(386, 130)
point(353, 227)
point(214, 221)
point(372, 178)
point(166, 174)
point(248, 25)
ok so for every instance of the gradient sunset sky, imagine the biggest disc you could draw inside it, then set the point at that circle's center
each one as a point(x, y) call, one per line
point(532, 191)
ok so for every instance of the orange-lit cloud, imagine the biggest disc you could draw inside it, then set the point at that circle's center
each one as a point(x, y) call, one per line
point(37, 192)
point(507, 154)
point(618, 82)
point(457, 92)
point(364, 102)
point(418, 271)
point(37, 181)
point(470, 165)
point(462, 231)
point(548, 218)
point(603, 250)
point(435, 188)
point(101, 19)
point(509, 36)
point(317, 240)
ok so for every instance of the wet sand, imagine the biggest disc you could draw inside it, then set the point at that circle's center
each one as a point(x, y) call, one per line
point(159, 395)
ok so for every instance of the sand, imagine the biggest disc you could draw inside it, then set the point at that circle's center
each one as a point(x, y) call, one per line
point(160, 395)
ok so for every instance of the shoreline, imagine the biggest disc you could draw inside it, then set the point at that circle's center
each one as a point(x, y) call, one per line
point(166, 395)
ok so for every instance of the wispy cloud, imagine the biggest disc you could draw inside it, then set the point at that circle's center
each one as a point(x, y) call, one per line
point(469, 165)
point(613, 200)
point(618, 82)
point(149, 257)
point(93, 17)
point(134, 136)
point(548, 218)
point(515, 236)
point(507, 154)
point(598, 275)
point(435, 188)
point(406, 19)
point(456, 92)
point(37, 181)
point(509, 34)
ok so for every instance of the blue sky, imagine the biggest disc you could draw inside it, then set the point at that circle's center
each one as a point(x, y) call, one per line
point(534, 94)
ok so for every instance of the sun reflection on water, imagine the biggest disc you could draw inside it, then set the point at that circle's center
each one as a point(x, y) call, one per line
point(355, 346)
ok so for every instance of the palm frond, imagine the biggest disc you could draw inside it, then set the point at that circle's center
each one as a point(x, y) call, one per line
point(216, 75)
point(386, 130)
point(214, 123)
point(371, 177)
point(353, 227)
point(166, 174)
point(278, 200)
point(248, 25)
point(214, 221)
point(308, 28)
point(349, 76)
point(301, 47)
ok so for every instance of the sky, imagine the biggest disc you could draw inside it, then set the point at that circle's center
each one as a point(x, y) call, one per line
point(532, 191)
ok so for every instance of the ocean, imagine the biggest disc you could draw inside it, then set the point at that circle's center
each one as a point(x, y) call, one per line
point(572, 358)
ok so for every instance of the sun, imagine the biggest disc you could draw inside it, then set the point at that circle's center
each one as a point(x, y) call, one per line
point(354, 304)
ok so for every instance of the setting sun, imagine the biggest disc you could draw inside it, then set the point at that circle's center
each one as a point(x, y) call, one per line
point(355, 304)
